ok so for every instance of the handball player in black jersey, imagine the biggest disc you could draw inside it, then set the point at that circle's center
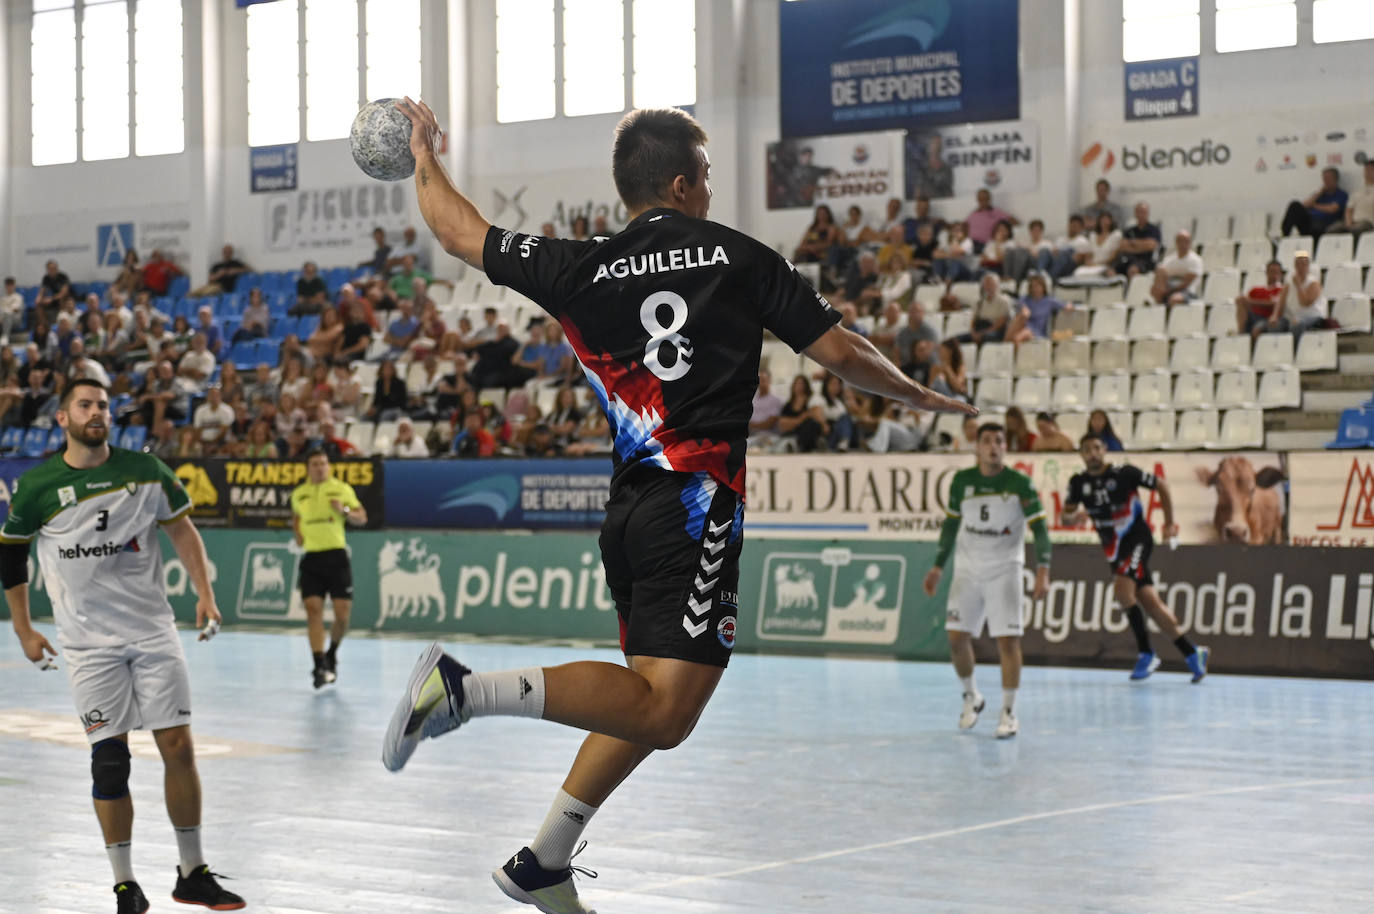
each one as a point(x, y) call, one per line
point(1110, 496)
point(667, 320)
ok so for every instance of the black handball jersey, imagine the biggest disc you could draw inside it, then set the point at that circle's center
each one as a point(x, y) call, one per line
point(1112, 501)
point(667, 319)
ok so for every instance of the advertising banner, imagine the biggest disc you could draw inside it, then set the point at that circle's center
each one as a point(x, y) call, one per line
point(257, 493)
point(498, 494)
point(839, 170)
point(959, 160)
point(93, 243)
point(1236, 498)
point(1161, 88)
point(1333, 499)
point(272, 168)
point(336, 221)
point(866, 65)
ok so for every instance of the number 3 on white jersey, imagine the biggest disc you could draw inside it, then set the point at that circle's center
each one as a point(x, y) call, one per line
point(661, 335)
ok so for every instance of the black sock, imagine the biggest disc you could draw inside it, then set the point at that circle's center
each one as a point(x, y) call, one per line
point(1184, 645)
point(319, 660)
point(333, 650)
point(1136, 617)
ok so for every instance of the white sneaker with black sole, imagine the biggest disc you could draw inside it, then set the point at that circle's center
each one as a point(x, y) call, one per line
point(973, 706)
point(1007, 727)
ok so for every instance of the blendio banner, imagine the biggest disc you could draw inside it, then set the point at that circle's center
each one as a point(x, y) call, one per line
point(867, 65)
point(1333, 499)
point(840, 171)
point(257, 493)
point(1233, 498)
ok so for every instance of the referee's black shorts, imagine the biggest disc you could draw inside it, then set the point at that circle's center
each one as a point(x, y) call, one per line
point(1132, 559)
point(670, 545)
point(327, 572)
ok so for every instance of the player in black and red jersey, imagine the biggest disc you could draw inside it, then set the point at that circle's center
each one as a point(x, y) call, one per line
point(667, 320)
point(1109, 495)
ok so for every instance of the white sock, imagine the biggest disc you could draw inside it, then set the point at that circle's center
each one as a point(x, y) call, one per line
point(121, 861)
point(188, 846)
point(516, 693)
point(553, 846)
point(970, 687)
point(1009, 700)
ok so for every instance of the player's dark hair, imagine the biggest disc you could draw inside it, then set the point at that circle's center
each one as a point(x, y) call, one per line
point(652, 147)
point(9, 280)
point(71, 388)
point(990, 427)
point(314, 452)
point(1091, 436)
point(1044, 416)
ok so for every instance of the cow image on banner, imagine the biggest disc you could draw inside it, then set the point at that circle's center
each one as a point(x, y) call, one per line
point(408, 584)
point(835, 595)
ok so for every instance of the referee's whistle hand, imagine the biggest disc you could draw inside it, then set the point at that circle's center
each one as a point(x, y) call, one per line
point(336, 505)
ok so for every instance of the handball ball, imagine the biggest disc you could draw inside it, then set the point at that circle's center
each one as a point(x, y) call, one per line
point(380, 140)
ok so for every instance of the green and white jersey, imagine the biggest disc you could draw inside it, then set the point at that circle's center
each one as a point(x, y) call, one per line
point(97, 544)
point(993, 512)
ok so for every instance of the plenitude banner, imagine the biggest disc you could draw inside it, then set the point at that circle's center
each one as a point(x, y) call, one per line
point(857, 169)
point(1231, 498)
point(865, 65)
point(1333, 498)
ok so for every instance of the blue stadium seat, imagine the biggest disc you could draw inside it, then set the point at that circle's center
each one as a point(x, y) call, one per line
point(306, 325)
point(134, 438)
point(267, 350)
point(29, 294)
point(230, 305)
point(179, 286)
point(116, 435)
point(273, 281)
point(248, 281)
point(35, 442)
point(11, 439)
point(57, 439)
point(244, 354)
point(185, 307)
point(1356, 429)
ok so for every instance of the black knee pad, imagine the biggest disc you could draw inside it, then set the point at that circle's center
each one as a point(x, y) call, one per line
point(110, 769)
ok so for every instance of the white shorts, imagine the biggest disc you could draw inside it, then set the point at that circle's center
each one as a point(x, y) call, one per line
point(995, 600)
point(143, 685)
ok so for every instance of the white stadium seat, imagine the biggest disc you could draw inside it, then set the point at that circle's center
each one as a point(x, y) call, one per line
point(995, 359)
point(1280, 388)
point(1187, 320)
point(1138, 289)
point(1290, 246)
point(1147, 323)
point(1273, 350)
point(1104, 296)
point(1169, 226)
point(381, 441)
point(1151, 391)
point(1221, 285)
point(1364, 251)
point(1196, 429)
point(993, 392)
point(957, 323)
point(1073, 424)
point(1193, 389)
point(1214, 225)
point(1250, 225)
point(1241, 428)
point(951, 424)
point(1236, 388)
point(1342, 279)
point(1218, 254)
point(1032, 394)
point(929, 296)
point(1123, 423)
point(1189, 354)
point(1352, 313)
point(1221, 319)
point(1109, 324)
point(360, 434)
point(1153, 429)
point(1072, 357)
point(1254, 253)
point(1033, 358)
point(1150, 355)
point(1071, 393)
point(965, 292)
point(1110, 356)
point(1230, 352)
point(1334, 248)
point(1112, 391)
point(1317, 351)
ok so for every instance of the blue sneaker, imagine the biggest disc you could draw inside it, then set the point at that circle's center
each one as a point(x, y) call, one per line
point(432, 705)
point(1145, 664)
point(551, 891)
point(1198, 662)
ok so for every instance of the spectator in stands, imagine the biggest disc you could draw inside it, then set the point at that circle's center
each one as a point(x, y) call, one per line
point(320, 387)
point(158, 273)
point(966, 442)
point(288, 415)
point(852, 227)
point(44, 337)
point(188, 444)
point(581, 229)
point(915, 329)
point(1036, 311)
point(495, 366)
point(1257, 308)
point(1019, 435)
point(1359, 209)
point(291, 349)
point(410, 246)
point(82, 367)
point(923, 360)
point(995, 253)
point(53, 289)
point(841, 434)
point(923, 252)
point(475, 440)
point(214, 339)
point(861, 286)
point(260, 443)
point(1039, 249)
point(231, 384)
point(224, 275)
point(876, 232)
point(933, 173)
point(347, 392)
point(529, 358)
point(1099, 423)
point(403, 280)
point(849, 319)
point(356, 336)
point(324, 341)
point(312, 295)
point(1319, 211)
point(110, 337)
point(181, 333)
point(1301, 299)
point(763, 422)
point(1068, 248)
point(541, 442)
point(255, 320)
point(1051, 437)
point(487, 332)
point(1102, 254)
point(949, 262)
point(406, 444)
point(548, 230)
point(403, 330)
point(1140, 245)
point(1103, 204)
point(821, 235)
point(800, 422)
point(262, 385)
point(560, 364)
point(984, 219)
point(161, 397)
point(348, 297)
point(129, 280)
point(377, 264)
point(213, 418)
point(949, 374)
point(922, 217)
point(433, 334)
point(296, 444)
point(991, 313)
point(11, 309)
point(197, 364)
point(566, 417)
point(895, 285)
point(599, 227)
point(10, 390)
point(884, 335)
point(335, 446)
point(66, 332)
point(896, 244)
point(1178, 278)
point(892, 430)
point(91, 326)
point(162, 440)
point(389, 397)
point(379, 297)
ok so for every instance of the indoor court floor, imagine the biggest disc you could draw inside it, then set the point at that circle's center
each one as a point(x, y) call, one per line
point(811, 784)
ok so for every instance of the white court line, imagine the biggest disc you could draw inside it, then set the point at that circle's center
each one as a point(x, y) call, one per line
point(1250, 894)
point(986, 826)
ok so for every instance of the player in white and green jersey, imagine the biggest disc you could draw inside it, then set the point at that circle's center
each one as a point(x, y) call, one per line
point(95, 511)
point(989, 507)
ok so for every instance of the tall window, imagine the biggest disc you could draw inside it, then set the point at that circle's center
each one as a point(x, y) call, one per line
point(1159, 29)
point(603, 53)
point(1247, 25)
point(337, 75)
point(1342, 20)
point(82, 79)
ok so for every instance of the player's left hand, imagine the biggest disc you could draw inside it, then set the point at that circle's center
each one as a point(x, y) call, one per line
point(1042, 583)
point(1170, 531)
point(938, 403)
point(425, 135)
point(207, 613)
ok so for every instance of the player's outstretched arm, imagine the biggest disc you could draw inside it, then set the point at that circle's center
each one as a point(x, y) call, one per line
point(191, 550)
point(855, 359)
point(452, 218)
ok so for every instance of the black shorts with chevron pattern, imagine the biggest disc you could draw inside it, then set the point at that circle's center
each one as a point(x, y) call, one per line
point(670, 545)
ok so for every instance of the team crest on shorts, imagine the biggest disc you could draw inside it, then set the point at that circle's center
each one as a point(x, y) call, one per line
point(725, 632)
point(66, 495)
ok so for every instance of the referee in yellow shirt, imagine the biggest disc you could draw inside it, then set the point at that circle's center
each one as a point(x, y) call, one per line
point(319, 508)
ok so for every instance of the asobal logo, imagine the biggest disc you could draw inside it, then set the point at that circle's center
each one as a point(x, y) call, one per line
point(1145, 158)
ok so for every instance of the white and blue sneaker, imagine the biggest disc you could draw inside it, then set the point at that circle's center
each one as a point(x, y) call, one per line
point(1145, 664)
point(1198, 662)
point(551, 891)
point(973, 706)
point(432, 705)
